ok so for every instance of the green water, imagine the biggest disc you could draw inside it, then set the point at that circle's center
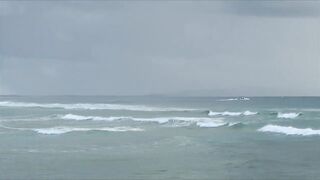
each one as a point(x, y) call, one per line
point(172, 149)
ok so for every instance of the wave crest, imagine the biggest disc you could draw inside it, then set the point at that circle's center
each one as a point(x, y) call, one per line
point(288, 130)
point(95, 106)
point(211, 124)
point(63, 130)
point(228, 113)
point(160, 120)
point(177, 121)
point(291, 115)
point(235, 99)
point(94, 118)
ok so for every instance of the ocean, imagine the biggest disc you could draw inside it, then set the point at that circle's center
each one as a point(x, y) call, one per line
point(159, 137)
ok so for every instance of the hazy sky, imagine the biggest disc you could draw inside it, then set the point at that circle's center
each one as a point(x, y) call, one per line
point(179, 47)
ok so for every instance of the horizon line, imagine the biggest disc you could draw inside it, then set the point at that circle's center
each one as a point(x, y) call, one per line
point(154, 95)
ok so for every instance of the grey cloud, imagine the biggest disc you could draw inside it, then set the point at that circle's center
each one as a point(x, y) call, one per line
point(275, 8)
point(135, 48)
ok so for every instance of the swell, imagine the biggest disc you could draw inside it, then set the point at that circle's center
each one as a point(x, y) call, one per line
point(290, 115)
point(289, 130)
point(199, 121)
point(65, 129)
point(94, 118)
point(235, 99)
point(229, 113)
point(95, 106)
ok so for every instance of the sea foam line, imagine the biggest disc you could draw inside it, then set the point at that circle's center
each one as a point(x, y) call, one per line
point(288, 130)
point(200, 121)
point(63, 129)
point(94, 118)
point(96, 106)
point(291, 115)
point(235, 99)
point(211, 124)
point(174, 121)
point(228, 113)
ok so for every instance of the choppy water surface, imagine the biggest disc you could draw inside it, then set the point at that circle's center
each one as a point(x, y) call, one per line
point(98, 137)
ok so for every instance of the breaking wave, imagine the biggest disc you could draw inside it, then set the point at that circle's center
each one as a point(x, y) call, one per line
point(62, 130)
point(228, 113)
point(211, 124)
point(288, 130)
point(235, 99)
point(96, 106)
point(94, 118)
point(288, 115)
point(236, 124)
point(162, 120)
point(249, 113)
point(200, 121)
point(229, 99)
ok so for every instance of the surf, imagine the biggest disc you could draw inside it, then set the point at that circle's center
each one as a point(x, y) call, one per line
point(228, 113)
point(201, 121)
point(291, 115)
point(88, 106)
point(63, 130)
point(66, 129)
point(94, 118)
point(235, 99)
point(289, 130)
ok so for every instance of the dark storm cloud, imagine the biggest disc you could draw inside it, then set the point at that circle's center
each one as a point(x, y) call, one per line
point(197, 48)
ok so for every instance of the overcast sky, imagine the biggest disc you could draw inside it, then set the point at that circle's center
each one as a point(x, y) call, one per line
point(215, 48)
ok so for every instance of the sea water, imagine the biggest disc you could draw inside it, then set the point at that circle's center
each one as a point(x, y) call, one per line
point(159, 137)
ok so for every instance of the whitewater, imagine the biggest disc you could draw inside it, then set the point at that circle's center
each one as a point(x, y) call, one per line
point(159, 137)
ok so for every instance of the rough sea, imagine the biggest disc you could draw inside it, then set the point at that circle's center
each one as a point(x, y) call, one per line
point(159, 137)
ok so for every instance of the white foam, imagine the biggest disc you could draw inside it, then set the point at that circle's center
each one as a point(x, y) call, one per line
point(229, 99)
point(228, 113)
point(232, 124)
point(177, 121)
point(235, 99)
point(95, 118)
point(244, 99)
point(288, 130)
point(180, 124)
point(96, 106)
point(160, 120)
point(62, 130)
point(225, 113)
point(210, 124)
point(291, 115)
point(249, 113)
